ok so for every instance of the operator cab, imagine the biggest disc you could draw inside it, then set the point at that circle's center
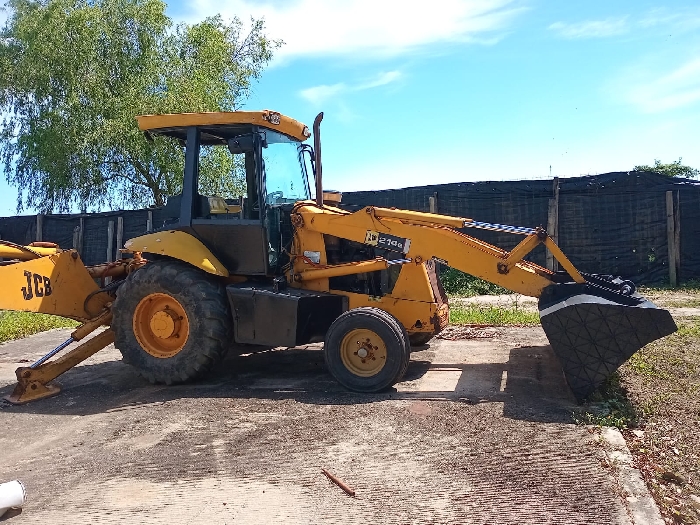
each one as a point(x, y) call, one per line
point(247, 226)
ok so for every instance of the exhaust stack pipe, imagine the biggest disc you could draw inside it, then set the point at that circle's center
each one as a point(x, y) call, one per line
point(317, 158)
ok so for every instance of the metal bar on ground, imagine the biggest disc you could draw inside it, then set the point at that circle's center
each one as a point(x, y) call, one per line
point(338, 482)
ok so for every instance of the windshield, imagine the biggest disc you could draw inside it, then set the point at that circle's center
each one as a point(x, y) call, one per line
point(285, 176)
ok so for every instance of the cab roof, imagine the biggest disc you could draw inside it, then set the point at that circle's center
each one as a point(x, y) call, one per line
point(217, 127)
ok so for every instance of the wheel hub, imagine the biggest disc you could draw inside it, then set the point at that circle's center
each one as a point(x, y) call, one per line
point(161, 325)
point(363, 352)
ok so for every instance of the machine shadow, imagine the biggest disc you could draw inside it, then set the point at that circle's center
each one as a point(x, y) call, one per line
point(530, 385)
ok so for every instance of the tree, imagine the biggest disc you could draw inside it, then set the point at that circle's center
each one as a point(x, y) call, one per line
point(674, 169)
point(75, 73)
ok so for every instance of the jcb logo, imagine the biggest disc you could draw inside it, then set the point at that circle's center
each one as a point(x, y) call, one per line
point(371, 237)
point(37, 286)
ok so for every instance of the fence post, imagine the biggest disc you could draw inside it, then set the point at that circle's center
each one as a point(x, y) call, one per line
point(39, 226)
point(553, 224)
point(76, 237)
point(80, 236)
point(120, 237)
point(677, 233)
point(433, 203)
point(149, 221)
point(671, 240)
point(110, 240)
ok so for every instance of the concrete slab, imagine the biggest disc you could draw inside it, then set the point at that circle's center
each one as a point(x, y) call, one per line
point(479, 432)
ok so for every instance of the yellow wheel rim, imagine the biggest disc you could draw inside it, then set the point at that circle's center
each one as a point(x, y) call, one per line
point(363, 352)
point(160, 325)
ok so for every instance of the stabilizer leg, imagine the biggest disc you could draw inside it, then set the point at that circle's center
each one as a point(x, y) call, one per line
point(32, 381)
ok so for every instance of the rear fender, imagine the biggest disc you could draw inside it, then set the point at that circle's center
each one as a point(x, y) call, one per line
point(178, 245)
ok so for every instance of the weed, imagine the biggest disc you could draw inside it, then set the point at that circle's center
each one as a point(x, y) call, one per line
point(493, 315)
point(608, 407)
point(15, 325)
point(465, 285)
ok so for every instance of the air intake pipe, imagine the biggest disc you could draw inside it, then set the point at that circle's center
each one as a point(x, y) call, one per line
point(317, 158)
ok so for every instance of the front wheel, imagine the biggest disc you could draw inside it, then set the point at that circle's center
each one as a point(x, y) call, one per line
point(366, 350)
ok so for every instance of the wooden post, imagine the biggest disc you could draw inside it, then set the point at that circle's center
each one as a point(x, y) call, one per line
point(553, 224)
point(120, 237)
point(80, 236)
point(677, 233)
point(110, 240)
point(671, 240)
point(39, 226)
point(433, 203)
point(149, 221)
point(76, 237)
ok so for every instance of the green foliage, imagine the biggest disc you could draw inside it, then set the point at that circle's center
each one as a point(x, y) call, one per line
point(75, 73)
point(465, 285)
point(674, 169)
point(493, 315)
point(15, 325)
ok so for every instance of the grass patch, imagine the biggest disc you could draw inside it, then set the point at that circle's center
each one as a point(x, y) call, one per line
point(493, 315)
point(465, 285)
point(692, 285)
point(15, 325)
point(608, 407)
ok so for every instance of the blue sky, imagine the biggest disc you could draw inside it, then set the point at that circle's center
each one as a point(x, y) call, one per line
point(464, 90)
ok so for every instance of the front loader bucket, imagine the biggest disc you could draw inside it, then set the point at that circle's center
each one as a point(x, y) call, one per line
point(593, 330)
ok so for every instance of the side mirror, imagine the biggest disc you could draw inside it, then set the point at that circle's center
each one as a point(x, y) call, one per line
point(240, 144)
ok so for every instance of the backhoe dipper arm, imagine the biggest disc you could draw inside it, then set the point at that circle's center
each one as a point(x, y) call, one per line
point(422, 236)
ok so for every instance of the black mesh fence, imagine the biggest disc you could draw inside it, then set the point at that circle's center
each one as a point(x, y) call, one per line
point(614, 223)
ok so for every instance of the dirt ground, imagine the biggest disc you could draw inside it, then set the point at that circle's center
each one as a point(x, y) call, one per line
point(663, 385)
point(479, 432)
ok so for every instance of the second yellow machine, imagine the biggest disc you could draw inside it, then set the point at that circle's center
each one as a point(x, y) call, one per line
point(278, 268)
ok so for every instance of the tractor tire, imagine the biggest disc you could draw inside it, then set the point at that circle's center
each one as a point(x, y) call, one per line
point(367, 350)
point(420, 338)
point(172, 322)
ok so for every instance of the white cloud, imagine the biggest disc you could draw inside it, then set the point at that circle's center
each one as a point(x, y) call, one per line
point(680, 21)
point(318, 95)
point(673, 89)
point(591, 28)
point(368, 28)
point(381, 80)
point(675, 21)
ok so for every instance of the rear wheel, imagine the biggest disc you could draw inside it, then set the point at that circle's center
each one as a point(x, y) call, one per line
point(367, 350)
point(171, 322)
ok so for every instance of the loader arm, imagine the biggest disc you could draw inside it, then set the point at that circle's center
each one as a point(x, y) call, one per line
point(593, 322)
point(430, 236)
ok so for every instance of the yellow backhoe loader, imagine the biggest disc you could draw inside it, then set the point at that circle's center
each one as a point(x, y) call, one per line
point(278, 268)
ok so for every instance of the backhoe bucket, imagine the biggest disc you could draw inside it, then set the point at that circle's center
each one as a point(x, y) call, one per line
point(594, 329)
